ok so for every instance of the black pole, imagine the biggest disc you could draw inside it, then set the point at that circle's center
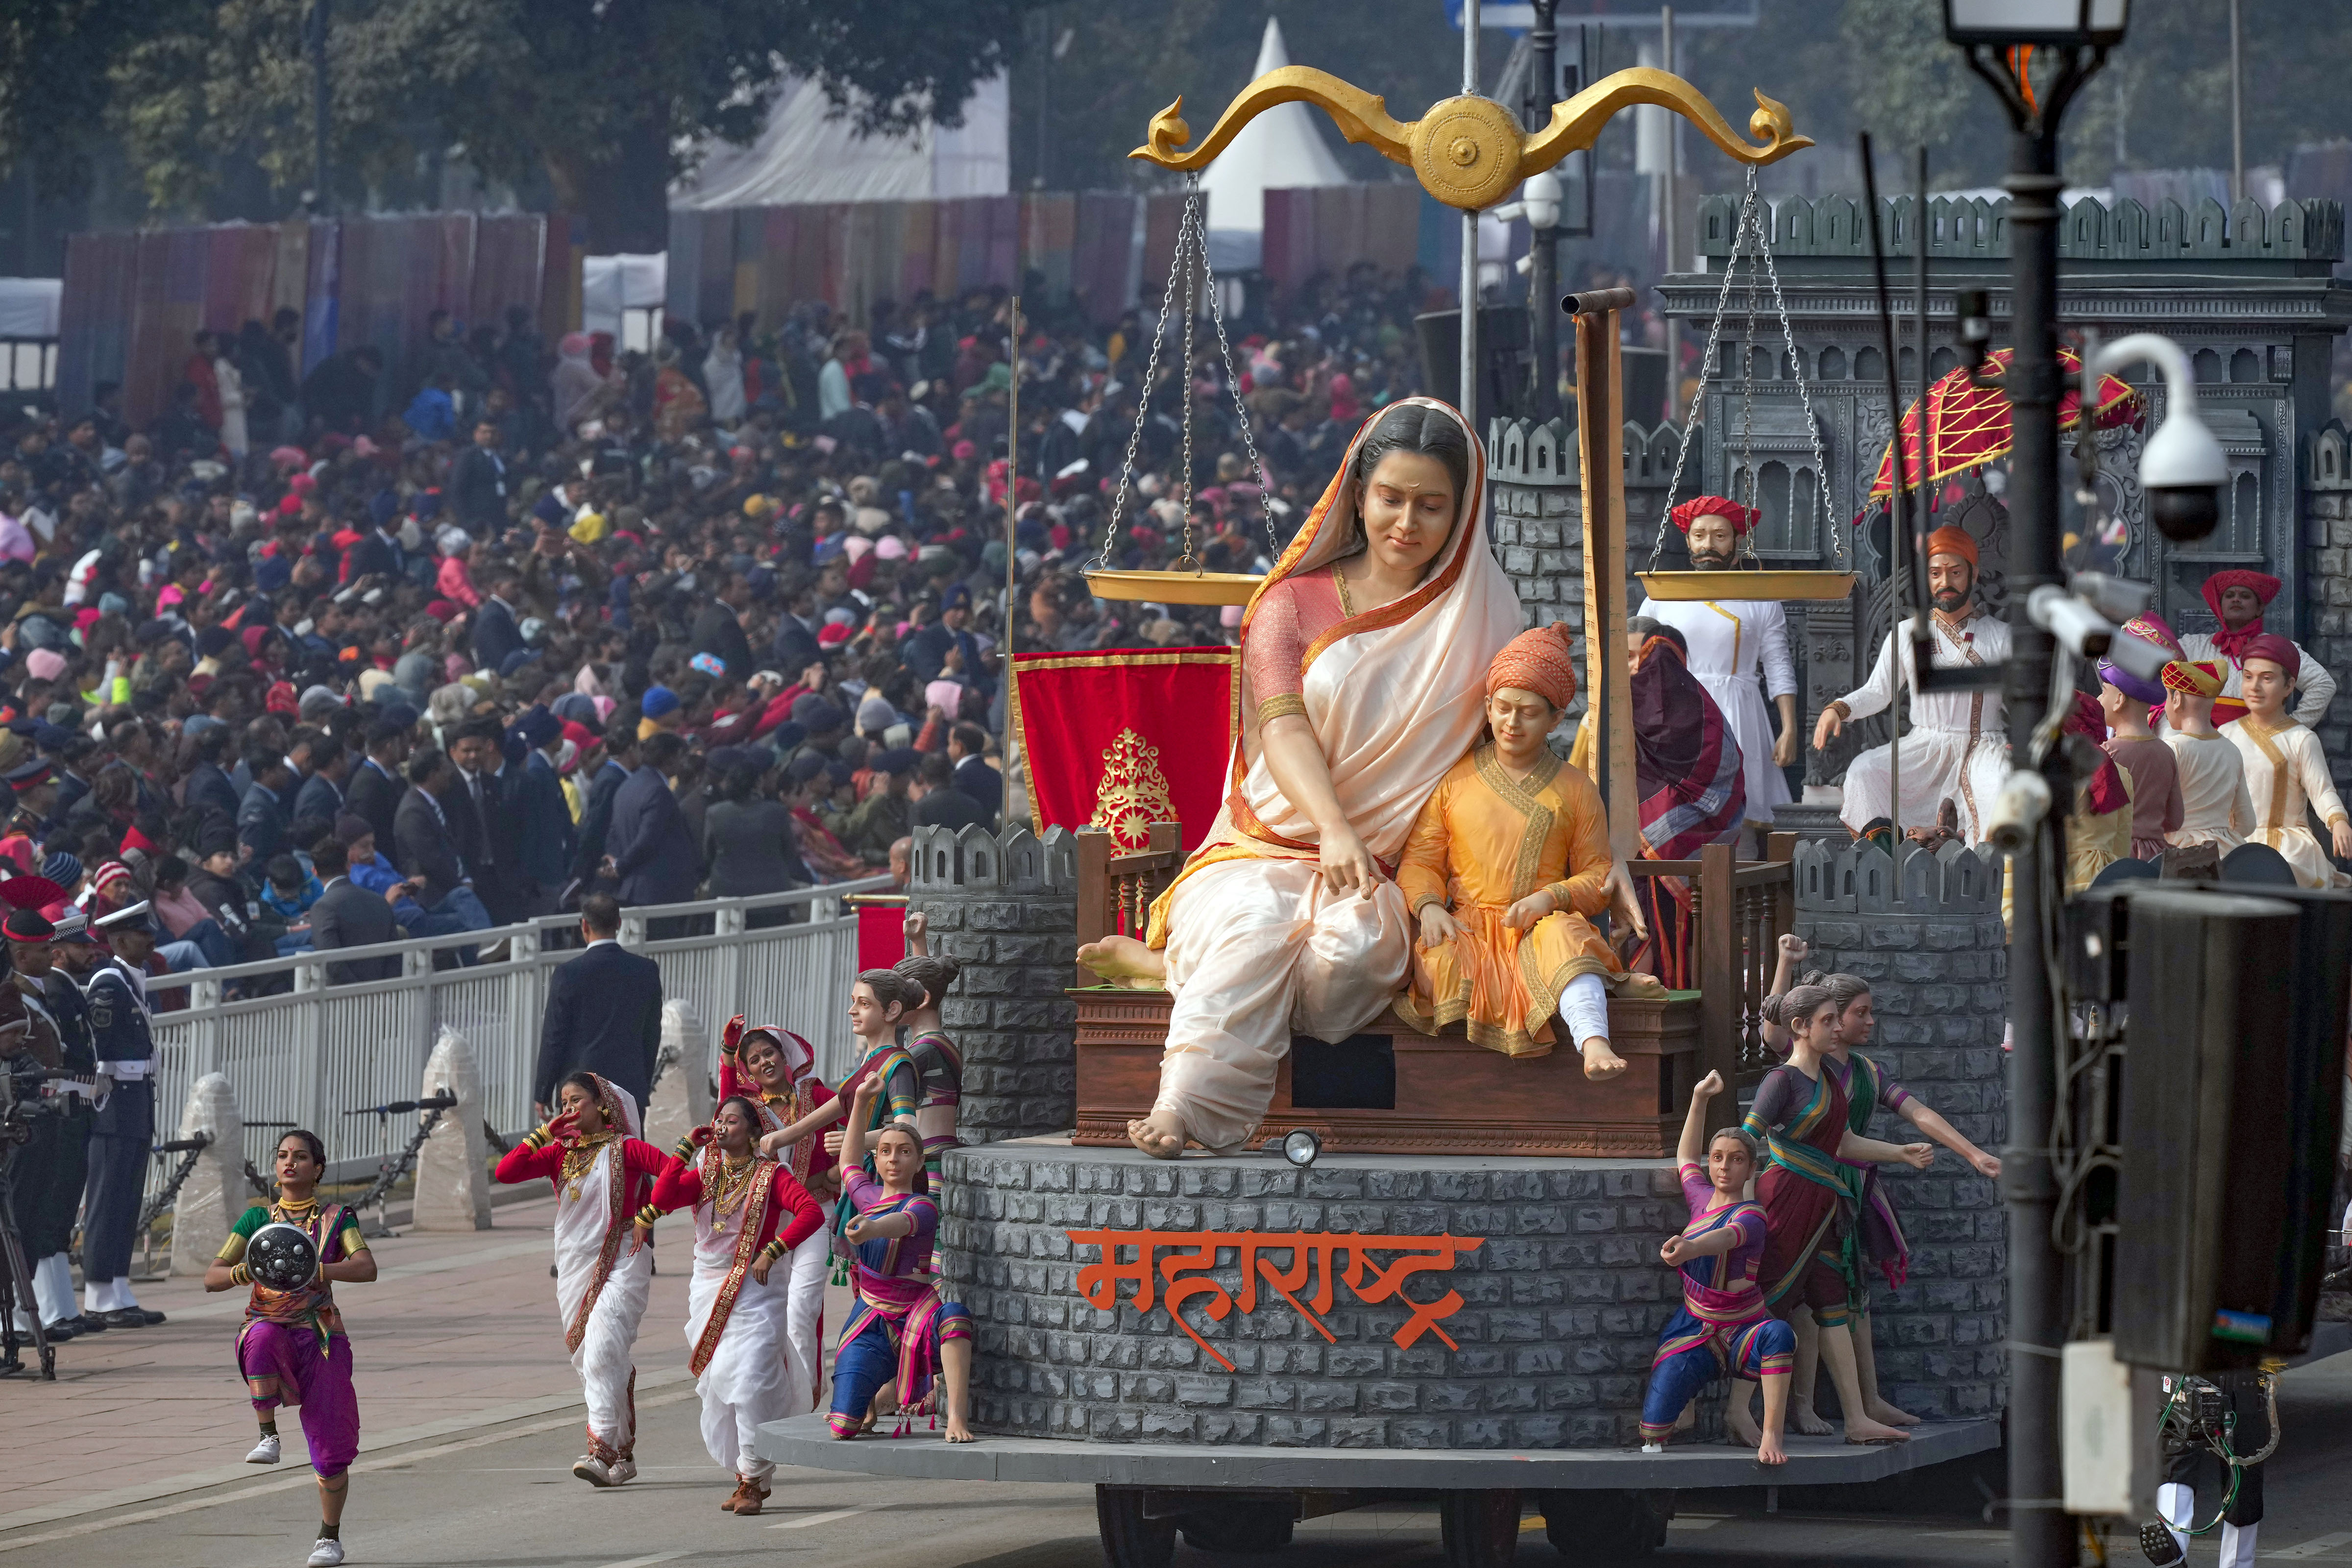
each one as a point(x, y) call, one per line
point(321, 199)
point(1543, 252)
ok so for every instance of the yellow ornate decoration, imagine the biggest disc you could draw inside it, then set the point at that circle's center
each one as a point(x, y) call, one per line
point(1133, 794)
point(1469, 152)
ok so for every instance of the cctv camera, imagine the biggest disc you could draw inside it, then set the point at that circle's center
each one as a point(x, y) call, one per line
point(2182, 468)
point(2017, 811)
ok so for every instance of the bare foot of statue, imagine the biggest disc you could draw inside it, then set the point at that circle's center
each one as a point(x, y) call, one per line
point(1768, 1451)
point(1740, 1417)
point(1858, 1430)
point(1801, 1419)
point(1123, 961)
point(1880, 1411)
point(957, 1431)
point(1599, 1061)
point(1158, 1135)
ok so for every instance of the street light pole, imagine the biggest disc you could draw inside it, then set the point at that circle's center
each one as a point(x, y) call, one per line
point(2041, 1534)
point(1543, 251)
point(322, 201)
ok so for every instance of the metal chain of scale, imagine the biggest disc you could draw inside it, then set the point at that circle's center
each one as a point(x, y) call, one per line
point(1752, 220)
point(1192, 251)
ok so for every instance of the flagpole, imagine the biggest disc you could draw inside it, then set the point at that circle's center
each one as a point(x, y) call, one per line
point(1011, 554)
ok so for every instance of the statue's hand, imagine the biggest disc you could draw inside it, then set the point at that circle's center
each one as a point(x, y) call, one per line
point(1347, 866)
point(1828, 727)
point(1784, 748)
point(1529, 910)
point(1438, 926)
point(2341, 834)
point(1624, 904)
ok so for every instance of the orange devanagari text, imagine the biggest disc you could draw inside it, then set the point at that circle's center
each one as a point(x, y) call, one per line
point(1170, 1268)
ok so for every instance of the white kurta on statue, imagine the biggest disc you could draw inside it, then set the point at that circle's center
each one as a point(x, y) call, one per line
point(1956, 748)
point(2287, 771)
point(1728, 640)
point(2315, 688)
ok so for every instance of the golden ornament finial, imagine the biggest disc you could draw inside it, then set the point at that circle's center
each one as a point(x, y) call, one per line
point(1469, 152)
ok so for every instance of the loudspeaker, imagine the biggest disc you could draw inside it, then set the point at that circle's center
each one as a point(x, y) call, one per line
point(1503, 354)
point(2231, 1106)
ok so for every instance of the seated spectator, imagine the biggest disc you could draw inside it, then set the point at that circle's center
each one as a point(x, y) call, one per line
point(347, 915)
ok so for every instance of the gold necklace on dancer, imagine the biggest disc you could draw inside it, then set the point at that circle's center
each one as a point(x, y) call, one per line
point(579, 1159)
point(734, 1189)
point(295, 1211)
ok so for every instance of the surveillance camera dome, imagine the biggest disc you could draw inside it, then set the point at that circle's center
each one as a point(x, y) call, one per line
point(2184, 513)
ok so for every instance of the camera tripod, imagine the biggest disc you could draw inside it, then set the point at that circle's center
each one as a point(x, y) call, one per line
point(19, 1290)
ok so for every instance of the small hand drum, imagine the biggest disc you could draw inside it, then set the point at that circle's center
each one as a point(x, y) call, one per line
point(282, 1257)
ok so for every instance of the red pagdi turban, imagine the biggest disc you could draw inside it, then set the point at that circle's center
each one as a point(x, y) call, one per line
point(2198, 678)
point(2232, 645)
point(2271, 646)
point(1542, 660)
point(1743, 518)
point(1952, 541)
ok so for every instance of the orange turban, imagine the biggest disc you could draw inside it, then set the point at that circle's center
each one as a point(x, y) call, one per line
point(1542, 660)
point(2198, 678)
point(1952, 541)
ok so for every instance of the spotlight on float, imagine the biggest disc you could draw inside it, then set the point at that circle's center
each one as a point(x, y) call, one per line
point(2181, 468)
point(1299, 1146)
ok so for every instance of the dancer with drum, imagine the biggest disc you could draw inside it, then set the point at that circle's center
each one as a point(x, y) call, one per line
point(293, 1350)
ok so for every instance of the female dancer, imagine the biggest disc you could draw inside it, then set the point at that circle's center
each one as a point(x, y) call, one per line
point(293, 1350)
point(1363, 660)
point(748, 1213)
point(1724, 1323)
point(899, 1332)
point(1867, 1089)
point(1812, 1197)
point(772, 1068)
point(603, 1172)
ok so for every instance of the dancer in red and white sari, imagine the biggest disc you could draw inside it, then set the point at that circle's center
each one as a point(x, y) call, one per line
point(777, 1069)
point(749, 1214)
point(603, 1173)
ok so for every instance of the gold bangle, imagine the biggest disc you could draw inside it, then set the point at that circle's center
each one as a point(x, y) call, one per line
point(1840, 706)
point(240, 1274)
point(647, 1214)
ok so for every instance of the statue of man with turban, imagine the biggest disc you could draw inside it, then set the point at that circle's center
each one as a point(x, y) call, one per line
point(2239, 599)
point(1957, 749)
point(1729, 641)
point(1506, 867)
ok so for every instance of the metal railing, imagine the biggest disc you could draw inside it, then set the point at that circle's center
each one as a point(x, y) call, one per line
point(307, 1056)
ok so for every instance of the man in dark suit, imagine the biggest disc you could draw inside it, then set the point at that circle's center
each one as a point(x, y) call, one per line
point(375, 787)
point(322, 795)
point(596, 816)
point(209, 785)
point(649, 847)
point(547, 838)
point(478, 483)
point(483, 820)
point(496, 632)
point(604, 1012)
point(719, 631)
point(421, 828)
point(348, 915)
point(262, 818)
point(377, 554)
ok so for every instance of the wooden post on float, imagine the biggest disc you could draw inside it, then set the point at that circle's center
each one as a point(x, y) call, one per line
point(1600, 461)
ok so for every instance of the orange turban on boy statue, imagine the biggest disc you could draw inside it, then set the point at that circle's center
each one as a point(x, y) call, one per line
point(1542, 660)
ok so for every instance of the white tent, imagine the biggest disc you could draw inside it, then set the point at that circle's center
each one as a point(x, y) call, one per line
point(807, 154)
point(1280, 150)
point(613, 286)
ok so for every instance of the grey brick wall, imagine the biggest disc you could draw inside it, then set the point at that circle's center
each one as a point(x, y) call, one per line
point(1931, 944)
point(2327, 579)
point(1005, 908)
point(1562, 1301)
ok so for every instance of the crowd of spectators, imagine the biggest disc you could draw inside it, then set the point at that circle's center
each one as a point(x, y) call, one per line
point(316, 659)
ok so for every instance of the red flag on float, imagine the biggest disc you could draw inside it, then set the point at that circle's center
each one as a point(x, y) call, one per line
point(1124, 738)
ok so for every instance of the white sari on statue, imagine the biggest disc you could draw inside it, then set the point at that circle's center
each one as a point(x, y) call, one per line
point(601, 1282)
point(1257, 949)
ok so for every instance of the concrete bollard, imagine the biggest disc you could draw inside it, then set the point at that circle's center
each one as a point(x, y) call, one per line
point(681, 1101)
point(453, 1169)
point(215, 1194)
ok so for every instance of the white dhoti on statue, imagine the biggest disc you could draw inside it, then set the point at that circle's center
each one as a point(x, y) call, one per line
point(1259, 951)
point(1956, 748)
point(1728, 642)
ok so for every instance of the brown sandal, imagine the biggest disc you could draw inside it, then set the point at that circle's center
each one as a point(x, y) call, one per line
point(752, 1497)
point(735, 1498)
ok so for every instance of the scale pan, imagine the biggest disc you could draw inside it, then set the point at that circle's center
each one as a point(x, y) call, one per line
point(1688, 585)
point(1175, 587)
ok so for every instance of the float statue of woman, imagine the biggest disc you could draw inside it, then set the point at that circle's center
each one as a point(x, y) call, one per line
point(1363, 669)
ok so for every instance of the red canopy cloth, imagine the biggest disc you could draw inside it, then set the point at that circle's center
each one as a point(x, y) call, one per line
point(1125, 739)
point(1971, 422)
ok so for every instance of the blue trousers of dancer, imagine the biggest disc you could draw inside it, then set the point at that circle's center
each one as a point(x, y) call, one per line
point(865, 1363)
point(1762, 1349)
point(118, 1175)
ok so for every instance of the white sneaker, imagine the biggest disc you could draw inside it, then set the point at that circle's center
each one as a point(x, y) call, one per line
point(326, 1554)
point(265, 1452)
point(593, 1470)
point(625, 1470)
